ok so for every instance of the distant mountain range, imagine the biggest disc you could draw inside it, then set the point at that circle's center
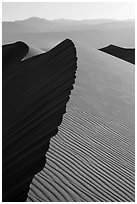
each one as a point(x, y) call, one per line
point(45, 34)
point(42, 25)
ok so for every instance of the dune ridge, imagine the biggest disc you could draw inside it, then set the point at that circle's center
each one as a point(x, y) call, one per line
point(35, 93)
point(91, 159)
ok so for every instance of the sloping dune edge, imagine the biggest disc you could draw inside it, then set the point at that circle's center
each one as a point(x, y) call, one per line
point(91, 159)
point(120, 52)
point(35, 93)
point(87, 164)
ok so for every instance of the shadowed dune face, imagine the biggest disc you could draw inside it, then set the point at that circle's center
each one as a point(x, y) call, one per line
point(11, 54)
point(35, 93)
point(122, 53)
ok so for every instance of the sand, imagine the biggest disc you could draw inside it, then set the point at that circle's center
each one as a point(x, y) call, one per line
point(92, 156)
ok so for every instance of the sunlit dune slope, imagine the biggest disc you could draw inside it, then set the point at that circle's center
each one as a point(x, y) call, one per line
point(92, 156)
point(33, 51)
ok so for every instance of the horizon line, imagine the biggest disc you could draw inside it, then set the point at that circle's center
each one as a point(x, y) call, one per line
point(117, 19)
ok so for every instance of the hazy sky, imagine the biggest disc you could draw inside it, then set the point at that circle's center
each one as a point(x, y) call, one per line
point(81, 10)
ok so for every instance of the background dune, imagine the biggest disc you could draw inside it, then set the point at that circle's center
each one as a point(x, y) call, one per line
point(122, 53)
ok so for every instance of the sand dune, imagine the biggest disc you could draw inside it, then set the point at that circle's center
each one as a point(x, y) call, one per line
point(92, 156)
point(35, 93)
point(123, 53)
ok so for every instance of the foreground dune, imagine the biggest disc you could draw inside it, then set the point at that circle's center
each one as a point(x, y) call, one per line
point(92, 156)
point(35, 93)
